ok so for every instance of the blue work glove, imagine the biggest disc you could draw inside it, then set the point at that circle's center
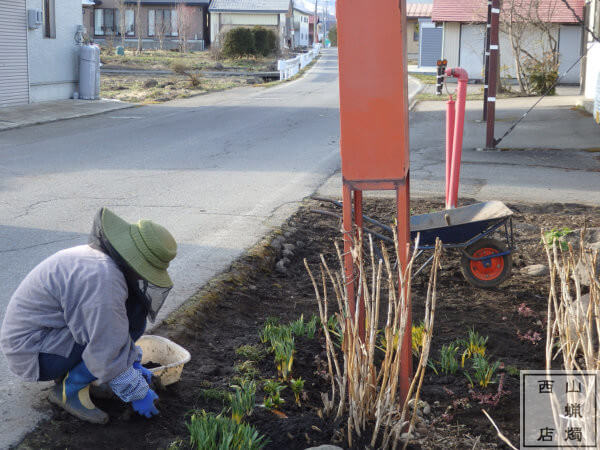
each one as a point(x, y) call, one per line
point(147, 374)
point(145, 406)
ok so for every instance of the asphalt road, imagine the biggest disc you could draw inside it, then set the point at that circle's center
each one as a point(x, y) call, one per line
point(219, 171)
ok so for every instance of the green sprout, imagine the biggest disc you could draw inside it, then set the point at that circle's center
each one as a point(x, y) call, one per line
point(297, 388)
point(251, 352)
point(558, 235)
point(311, 327)
point(475, 344)
point(215, 432)
point(484, 371)
point(448, 358)
point(284, 357)
point(242, 401)
point(417, 338)
point(273, 388)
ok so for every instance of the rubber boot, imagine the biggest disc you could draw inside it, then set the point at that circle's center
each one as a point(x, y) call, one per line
point(72, 393)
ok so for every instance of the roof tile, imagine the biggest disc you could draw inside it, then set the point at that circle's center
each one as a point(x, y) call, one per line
point(250, 5)
point(476, 10)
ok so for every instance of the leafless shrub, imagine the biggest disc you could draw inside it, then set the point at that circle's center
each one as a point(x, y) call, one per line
point(369, 392)
point(185, 25)
point(182, 69)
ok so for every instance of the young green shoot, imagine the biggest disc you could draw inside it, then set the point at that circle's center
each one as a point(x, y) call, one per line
point(475, 344)
point(273, 388)
point(298, 327)
point(284, 357)
point(417, 338)
point(216, 432)
point(297, 388)
point(242, 401)
point(448, 358)
point(558, 235)
point(484, 371)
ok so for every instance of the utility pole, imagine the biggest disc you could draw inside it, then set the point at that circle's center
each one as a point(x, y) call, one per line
point(490, 142)
point(487, 58)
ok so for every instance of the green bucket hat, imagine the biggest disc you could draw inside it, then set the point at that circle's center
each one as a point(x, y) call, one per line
point(146, 246)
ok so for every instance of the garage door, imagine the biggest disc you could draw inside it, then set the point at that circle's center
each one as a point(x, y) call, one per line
point(569, 48)
point(430, 44)
point(14, 80)
point(472, 50)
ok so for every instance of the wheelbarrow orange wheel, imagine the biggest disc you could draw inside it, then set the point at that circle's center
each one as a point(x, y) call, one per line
point(486, 273)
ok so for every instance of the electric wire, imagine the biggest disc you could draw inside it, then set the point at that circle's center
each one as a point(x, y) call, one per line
point(594, 37)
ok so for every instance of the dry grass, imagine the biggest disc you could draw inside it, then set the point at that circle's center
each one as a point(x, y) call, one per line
point(130, 88)
point(366, 391)
point(164, 59)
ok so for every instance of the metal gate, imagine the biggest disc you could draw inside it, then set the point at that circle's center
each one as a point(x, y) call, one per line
point(14, 78)
point(430, 43)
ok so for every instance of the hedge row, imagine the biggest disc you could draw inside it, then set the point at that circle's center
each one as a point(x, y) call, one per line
point(240, 42)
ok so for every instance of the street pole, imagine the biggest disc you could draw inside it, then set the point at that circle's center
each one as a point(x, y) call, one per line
point(492, 75)
point(315, 36)
point(487, 58)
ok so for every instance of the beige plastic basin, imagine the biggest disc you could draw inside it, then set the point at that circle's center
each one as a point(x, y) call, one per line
point(168, 354)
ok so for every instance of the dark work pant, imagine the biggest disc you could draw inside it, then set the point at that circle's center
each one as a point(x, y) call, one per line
point(55, 366)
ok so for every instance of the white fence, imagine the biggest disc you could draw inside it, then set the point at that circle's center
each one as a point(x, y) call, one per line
point(290, 67)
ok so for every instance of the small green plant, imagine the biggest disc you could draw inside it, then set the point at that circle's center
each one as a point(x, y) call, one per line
point(513, 371)
point(273, 333)
point(273, 390)
point(182, 69)
point(251, 352)
point(242, 401)
point(311, 327)
point(284, 357)
point(298, 327)
point(542, 73)
point(265, 41)
point(246, 370)
point(448, 358)
point(475, 344)
point(297, 388)
point(558, 235)
point(209, 431)
point(417, 338)
point(484, 371)
point(216, 395)
point(333, 36)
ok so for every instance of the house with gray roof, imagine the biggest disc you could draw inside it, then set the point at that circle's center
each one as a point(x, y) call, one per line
point(275, 15)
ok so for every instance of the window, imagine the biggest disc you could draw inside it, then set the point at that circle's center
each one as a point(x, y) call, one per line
point(416, 32)
point(107, 22)
point(49, 19)
point(162, 22)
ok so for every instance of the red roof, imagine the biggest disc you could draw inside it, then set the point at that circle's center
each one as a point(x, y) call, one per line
point(476, 10)
point(418, 9)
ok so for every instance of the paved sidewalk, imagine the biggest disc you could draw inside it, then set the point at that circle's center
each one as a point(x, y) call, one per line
point(44, 112)
point(552, 156)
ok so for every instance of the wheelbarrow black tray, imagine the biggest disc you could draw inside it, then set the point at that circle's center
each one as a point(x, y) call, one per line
point(458, 225)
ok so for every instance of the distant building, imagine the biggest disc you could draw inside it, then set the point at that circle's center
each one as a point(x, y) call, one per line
point(464, 26)
point(275, 15)
point(301, 20)
point(38, 59)
point(418, 26)
point(158, 22)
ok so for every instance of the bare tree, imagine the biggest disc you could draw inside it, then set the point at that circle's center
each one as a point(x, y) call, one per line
point(161, 29)
point(139, 27)
point(122, 25)
point(185, 24)
point(533, 36)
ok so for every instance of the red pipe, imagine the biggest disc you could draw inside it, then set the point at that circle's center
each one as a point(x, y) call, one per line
point(450, 111)
point(459, 125)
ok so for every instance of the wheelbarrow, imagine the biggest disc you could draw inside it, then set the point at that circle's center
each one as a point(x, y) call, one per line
point(485, 262)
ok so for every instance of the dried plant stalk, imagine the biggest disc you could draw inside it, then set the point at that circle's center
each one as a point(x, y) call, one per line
point(369, 392)
point(573, 327)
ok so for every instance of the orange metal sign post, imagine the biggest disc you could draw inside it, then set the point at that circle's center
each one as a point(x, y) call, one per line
point(374, 126)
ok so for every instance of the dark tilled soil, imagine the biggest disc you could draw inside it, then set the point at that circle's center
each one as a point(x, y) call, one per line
point(229, 312)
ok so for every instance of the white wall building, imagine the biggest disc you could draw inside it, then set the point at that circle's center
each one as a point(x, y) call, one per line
point(592, 61)
point(300, 32)
point(38, 62)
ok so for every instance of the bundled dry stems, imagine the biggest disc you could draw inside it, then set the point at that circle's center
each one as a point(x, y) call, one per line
point(573, 318)
point(366, 391)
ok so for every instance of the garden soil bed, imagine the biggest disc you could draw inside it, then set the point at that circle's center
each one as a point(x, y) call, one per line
point(230, 311)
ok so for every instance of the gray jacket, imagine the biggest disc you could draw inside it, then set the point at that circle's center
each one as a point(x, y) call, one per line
point(75, 296)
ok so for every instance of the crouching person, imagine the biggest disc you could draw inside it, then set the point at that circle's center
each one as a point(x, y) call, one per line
point(76, 316)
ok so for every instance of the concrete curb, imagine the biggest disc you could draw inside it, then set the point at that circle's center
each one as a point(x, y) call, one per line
point(412, 102)
point(117, 107)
